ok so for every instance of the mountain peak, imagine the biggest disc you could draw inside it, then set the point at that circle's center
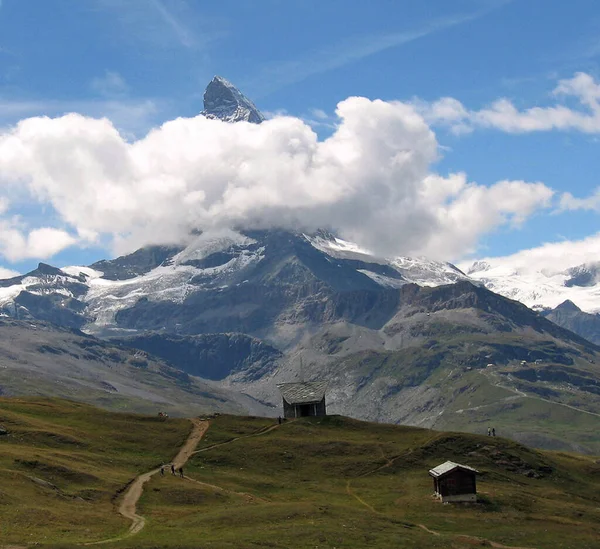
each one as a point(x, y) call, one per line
point(568, 305)
point(223, 101)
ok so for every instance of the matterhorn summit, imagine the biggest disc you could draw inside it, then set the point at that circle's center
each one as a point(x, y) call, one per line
point(223, 101)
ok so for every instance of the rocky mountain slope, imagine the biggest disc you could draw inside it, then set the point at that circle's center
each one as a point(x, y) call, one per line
point(571, 317)
point(38, 358)
point(222, 100)
point(254, 276)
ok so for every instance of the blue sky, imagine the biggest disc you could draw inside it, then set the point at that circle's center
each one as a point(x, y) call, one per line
point(143, 62)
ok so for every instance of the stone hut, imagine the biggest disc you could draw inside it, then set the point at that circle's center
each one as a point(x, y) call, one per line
point(303, 399)
point(453, 482)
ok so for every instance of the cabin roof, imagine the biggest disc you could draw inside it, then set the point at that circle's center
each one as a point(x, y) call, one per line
point(448, 467)
point(305, 392)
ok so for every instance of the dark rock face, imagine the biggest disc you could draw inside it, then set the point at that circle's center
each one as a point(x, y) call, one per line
point(211, 356)
point(50, 278)
point(293, 281)
point(223, 101)
point(53, 297)
point(584, 275)
point(138, 263)
point(60, 310)
point(571, 317)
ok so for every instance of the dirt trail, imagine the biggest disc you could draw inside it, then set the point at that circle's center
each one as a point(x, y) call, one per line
point(263, 431)
point(135, 490)
point(128, 506)
point(250, 498)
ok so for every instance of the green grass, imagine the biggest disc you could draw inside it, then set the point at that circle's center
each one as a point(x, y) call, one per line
point(315, 482)
point(63, 463)
point(299, 473)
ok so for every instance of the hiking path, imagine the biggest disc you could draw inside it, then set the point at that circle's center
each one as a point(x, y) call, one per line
point(128, 506)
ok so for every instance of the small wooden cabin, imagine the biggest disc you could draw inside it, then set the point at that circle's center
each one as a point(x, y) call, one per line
point(453, 482)
point(303, 399)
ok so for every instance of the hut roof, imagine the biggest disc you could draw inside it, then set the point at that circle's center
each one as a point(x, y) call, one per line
point(448, 467)
point(305, 392)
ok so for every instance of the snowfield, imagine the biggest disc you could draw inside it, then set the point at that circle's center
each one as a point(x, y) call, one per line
point(538, 289)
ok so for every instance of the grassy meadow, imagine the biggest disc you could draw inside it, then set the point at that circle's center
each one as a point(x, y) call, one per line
point(312, 483)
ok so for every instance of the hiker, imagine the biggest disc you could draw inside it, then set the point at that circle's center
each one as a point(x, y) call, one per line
point(489, 431)
point(181, 472)
point(162, 470)
point(493, 431)
point(172, 469)
point(279, 420)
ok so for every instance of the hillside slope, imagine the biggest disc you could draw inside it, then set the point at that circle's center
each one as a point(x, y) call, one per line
point(248, 311)
point(453, 357)
point(46, 360)
point(328, 482)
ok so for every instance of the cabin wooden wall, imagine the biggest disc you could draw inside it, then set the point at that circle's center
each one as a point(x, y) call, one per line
point(456, 483)
point(304, 410)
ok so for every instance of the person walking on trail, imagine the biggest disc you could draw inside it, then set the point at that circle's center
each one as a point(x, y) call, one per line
point(279, 420)
point(162, 470)
point(181, 472)
point(493, 431)
point(172, 469)
point(489, 431)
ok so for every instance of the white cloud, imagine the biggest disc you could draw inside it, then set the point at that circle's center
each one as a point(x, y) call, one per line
point(110, 84)
point(569, 202)
point(7, 273)
point(549, 258)
point(505, 116)
point(466, 211)
point(41, 243)
point(371, 181)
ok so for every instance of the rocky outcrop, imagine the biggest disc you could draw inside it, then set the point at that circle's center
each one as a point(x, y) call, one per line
point(211, 356)
point(571, 317)
point(223, 101)
point(138, 263)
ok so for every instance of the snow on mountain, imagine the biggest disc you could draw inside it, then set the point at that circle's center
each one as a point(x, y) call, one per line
point(426, 272)
point(106, 298)
point(223, 101)
point(211, 262)
point(540, 288)
point(78, 271)
point(209, 243)
point(7, 295)
point(421, 271)
point(44, 280)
